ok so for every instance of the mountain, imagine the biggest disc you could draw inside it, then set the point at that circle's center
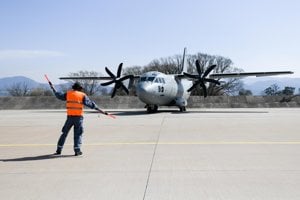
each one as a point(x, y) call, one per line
point(258, 85)
point(8, 82)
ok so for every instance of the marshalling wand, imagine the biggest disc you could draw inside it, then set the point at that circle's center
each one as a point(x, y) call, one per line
point(98, 109)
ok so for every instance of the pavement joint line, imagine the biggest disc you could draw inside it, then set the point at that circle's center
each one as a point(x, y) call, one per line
point(153, 156)
point(167, 143)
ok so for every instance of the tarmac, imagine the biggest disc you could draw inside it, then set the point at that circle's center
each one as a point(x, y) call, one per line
point(211, 154)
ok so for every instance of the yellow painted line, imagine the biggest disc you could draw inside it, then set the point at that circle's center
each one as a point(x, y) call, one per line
point(230, 142)
point(166, 143)
point(194, 143)
point(26, 145)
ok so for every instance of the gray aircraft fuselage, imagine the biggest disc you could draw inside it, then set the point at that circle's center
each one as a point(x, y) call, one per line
point(159, 89)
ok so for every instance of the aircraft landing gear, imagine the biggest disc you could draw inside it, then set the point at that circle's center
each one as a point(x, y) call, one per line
point(182, 109)
point(151, 108)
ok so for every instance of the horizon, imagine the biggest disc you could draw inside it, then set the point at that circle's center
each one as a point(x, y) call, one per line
point(248, 79)
point(255, 85)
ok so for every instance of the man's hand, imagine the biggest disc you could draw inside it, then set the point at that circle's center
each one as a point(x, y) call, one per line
point(50, 83)
point(105, 113)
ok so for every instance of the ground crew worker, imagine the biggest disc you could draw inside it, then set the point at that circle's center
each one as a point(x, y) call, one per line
point(75, 100)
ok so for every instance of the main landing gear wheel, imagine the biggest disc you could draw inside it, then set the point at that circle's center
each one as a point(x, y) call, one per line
point(151, 108)
point(182, 109)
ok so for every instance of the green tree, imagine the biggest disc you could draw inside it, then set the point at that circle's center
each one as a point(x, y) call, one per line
point(230, 86)
point(18, 89)
point(288, 90)
point(40, 92)
point(172, 65)
point(244, 92)
point(134, 70)
point(91, 87)
point(272, 90)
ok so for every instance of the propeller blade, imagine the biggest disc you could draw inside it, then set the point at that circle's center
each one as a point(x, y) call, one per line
point(117, 80)
point(193, 86)
point(110, 73)
point(200, 78)
point(119, 70)
point(190, 75)
point(212, 81)
point(209, 69)
point(113, 92)
point(125, 88)
point(108, 83)
point(204, 88)
point(126, 77)
point(198, 68)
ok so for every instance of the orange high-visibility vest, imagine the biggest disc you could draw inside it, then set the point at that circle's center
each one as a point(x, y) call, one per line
point(75, 103)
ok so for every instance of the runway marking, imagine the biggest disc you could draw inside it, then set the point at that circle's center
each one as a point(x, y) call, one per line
point(166, 143)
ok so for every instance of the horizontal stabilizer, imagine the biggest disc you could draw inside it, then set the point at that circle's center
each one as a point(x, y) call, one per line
point(245, 74)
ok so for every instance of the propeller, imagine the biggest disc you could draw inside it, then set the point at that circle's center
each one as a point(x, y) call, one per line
point(117, 80)
point(201, 78)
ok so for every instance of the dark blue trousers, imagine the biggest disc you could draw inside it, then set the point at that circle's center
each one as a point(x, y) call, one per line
point(76, 122)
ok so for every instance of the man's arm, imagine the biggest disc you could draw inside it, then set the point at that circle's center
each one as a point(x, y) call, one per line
point(61, 96)
point(89, 103)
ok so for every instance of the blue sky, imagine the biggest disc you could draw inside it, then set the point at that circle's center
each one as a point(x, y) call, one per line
point(57, 37)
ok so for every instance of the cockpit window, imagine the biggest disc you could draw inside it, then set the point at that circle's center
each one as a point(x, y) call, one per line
point(159, 80)
point(150, 79)
point(143, 79)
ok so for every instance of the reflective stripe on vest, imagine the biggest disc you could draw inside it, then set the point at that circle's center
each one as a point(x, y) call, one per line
point(74, 103)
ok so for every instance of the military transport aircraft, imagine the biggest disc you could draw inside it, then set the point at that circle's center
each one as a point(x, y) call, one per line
point(158, 89)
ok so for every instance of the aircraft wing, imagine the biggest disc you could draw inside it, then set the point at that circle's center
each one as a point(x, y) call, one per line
point(91, 78)
point(245, 74)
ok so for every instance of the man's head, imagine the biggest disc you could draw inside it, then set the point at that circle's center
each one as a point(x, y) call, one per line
point(77, 86)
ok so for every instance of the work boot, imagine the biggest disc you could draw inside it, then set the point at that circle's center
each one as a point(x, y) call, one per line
point(78, 153)
point(58, 152)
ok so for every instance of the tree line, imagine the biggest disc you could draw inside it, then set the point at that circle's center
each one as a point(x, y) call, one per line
point(23, 89)
point(168, 65)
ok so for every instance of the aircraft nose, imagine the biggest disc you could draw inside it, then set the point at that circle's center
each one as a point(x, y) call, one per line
point(144, 89)
point(145, 92)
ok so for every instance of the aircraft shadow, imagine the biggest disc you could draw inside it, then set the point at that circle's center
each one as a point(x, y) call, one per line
point(129, 113)
point(229, 111)
point(36, 158)
point(143, 112)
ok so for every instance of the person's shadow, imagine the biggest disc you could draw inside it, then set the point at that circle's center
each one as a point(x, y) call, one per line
point(35, 158)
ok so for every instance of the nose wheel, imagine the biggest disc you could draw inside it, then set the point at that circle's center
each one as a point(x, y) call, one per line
point(151, 108)
point(182, 108)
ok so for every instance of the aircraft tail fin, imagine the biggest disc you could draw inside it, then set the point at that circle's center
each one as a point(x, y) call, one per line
point(183, 67)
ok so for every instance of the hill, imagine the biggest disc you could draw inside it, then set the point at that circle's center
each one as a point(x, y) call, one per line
point(258, 85)
point(8, 82)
